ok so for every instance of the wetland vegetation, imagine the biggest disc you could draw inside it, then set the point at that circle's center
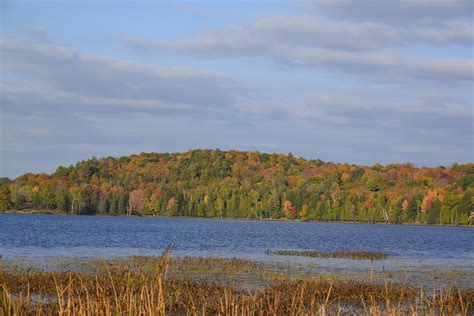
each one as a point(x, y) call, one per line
point(158, 286)
point(356, 255)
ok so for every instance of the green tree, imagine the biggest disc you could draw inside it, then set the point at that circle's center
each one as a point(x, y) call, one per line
point(5, 198)
point(433, 216)
point(48, 197)
point(448, 213)
point(412, 210)
point(465, 208)
point(395, 213)
point(61, 199)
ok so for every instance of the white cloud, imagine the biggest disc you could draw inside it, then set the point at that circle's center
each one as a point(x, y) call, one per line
point(394, 11)
point(354, 48)
point(71, 77)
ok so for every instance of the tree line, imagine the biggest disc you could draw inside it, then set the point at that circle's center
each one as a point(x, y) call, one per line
point(236, 184)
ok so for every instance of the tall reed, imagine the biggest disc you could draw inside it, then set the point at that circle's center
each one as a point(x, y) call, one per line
point(139, 290)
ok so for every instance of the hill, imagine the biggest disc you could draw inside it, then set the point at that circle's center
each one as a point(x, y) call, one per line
point(236, 184)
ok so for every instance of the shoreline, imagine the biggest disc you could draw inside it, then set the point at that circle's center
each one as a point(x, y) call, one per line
point(51, 212)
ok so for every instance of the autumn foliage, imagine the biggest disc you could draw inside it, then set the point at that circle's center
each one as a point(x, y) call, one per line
point(428, 201)
point(288, 209)
point(236, 184)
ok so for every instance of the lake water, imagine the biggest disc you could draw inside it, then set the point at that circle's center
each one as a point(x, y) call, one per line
point(421, 248)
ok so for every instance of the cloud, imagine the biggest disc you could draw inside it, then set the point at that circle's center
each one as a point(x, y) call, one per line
point(394, 11)
point(58, 106)
point(354, 125)
point(36, 32)
point(375, 111)
point(63, 75)
point(272, 31)
point(370, 50)
point(371, 65)
point(382, 65)
point(40, 98)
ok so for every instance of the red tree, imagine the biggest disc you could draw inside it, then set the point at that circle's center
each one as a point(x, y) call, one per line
point(289, 209)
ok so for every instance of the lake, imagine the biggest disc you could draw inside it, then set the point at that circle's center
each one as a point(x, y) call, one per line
point(417, 248)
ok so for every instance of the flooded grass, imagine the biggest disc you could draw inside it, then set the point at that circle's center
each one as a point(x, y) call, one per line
point(140, 293)
point(156, 286)
point(207, 264)
point(242, 272)
point(356, 255)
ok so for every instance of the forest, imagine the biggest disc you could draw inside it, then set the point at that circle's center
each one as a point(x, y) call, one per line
point(253, 185)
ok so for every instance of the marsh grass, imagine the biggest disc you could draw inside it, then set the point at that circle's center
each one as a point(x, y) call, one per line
point(209, 265)
point(356, 255)
point(145, 286)
point(246, 273)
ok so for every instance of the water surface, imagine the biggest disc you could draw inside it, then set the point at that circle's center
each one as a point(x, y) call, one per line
point(421, 248)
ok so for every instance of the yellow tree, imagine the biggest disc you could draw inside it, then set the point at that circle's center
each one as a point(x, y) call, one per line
point(304, 212)
point(172, 206)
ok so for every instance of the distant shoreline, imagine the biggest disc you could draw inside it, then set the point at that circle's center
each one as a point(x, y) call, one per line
point(51, 212)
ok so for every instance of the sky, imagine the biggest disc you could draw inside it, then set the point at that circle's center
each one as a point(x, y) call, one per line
point(361, 82)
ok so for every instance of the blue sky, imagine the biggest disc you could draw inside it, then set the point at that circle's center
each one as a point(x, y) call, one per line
point(340, 80)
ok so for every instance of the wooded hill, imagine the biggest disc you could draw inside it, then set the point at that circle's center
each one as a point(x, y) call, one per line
point(235, 184)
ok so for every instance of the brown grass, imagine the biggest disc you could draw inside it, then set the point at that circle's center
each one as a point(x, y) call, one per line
point(143, 287)
point(359, 255)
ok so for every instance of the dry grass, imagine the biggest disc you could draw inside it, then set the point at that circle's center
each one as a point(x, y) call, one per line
point(136, 293)
point(143, 286)
point(175, 264)
point(358, 255)
point(212, 265)
point(246, 273)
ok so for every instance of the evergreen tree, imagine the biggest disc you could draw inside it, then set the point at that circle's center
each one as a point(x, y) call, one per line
point(465, 208)
point(411, 212)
